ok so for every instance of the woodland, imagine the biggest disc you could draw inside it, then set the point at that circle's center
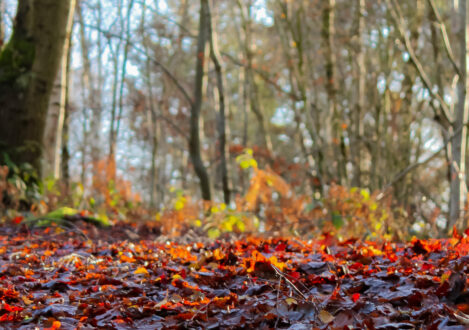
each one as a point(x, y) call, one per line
point(234, 164)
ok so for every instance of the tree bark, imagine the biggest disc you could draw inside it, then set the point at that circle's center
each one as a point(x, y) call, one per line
point(28, 66)
point(459, 141)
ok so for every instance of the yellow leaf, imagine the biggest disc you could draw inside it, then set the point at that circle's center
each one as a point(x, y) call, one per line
point(213, 233)
point(365, 194)
point(253, 163)
point(179, 204)
point(241, 226)
point(245, 164)
point(445, 276)
point(325, 317)
point(26, 300)
point(291, 301)
point(141, 270)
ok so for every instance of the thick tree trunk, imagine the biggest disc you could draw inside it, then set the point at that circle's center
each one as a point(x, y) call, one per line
point(28, 66)
point(194, 140)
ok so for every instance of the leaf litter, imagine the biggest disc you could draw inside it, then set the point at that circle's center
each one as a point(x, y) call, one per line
point(53, 279)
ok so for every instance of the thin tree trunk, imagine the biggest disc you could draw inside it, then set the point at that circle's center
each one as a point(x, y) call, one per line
point(459, 141)
point(90, 96)
point(64, 88)
point(335, 136)
point(358, 130)
point(122, 80)
point(221, 126)
point(152, 114)
point(252, 89)
point(86, 92)
point(96, 98)
point(65, 132)
point(194, 141)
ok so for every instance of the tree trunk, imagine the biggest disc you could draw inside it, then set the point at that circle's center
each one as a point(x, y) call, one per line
point(358, 130)
point(459, 141)
point(56, 130)
point(221, 126)
point(115, 129)
point(28, 66)
point(65, 154)
point(335, 135)
point(194, 140)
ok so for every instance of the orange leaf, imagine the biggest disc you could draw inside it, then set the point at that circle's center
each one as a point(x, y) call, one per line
point(141, 270)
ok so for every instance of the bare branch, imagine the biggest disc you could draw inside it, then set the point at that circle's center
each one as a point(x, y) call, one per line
point(444, 35)
point(396, 14)
point(165, 70)
point(413, 166)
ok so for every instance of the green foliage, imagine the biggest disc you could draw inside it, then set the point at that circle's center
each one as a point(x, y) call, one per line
point(222, 219)
point(21, 184)
point(65, 216)
point(337, 220)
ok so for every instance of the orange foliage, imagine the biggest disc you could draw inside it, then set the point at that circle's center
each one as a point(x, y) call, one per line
point(112, 187)
point(175, 219)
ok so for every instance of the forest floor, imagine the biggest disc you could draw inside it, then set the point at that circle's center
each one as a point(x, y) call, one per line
point(128, 277)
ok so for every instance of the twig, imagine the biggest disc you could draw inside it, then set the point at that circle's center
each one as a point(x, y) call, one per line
point(278, 298)
point(279, 273)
